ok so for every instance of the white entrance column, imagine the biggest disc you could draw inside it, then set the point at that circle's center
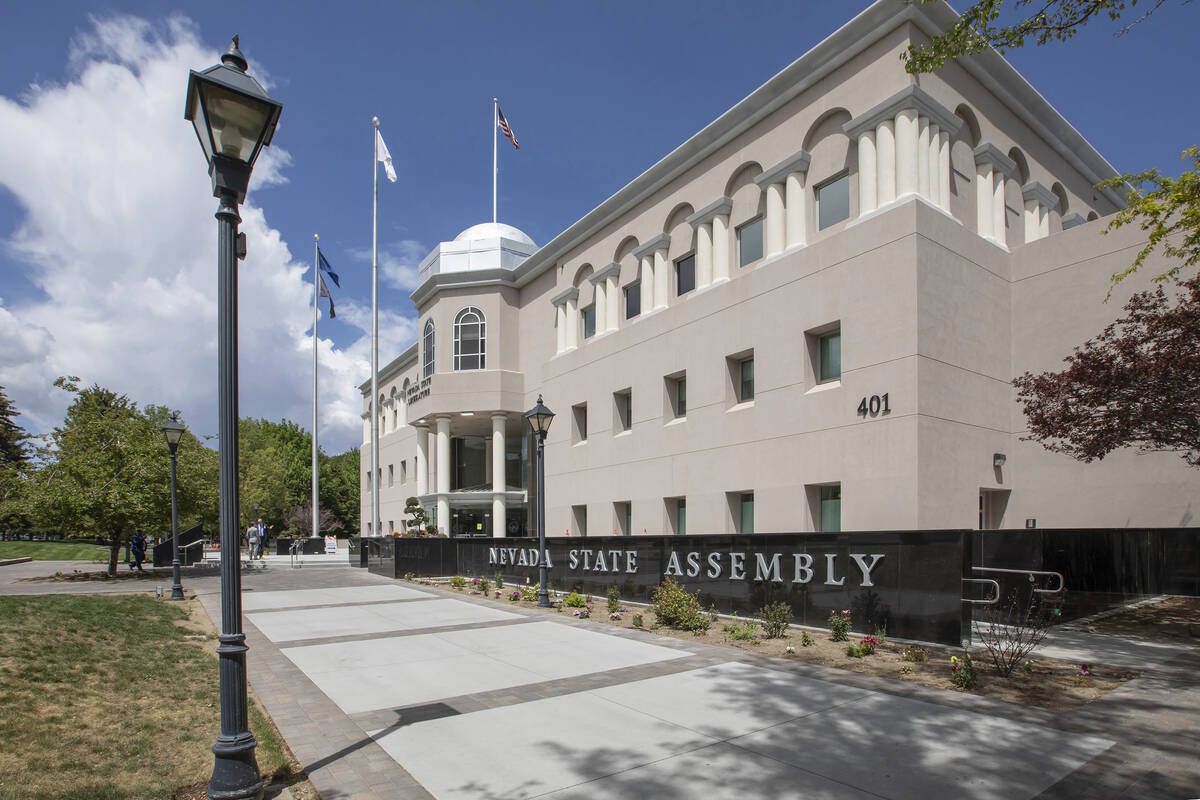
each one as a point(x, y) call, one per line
point(443, 475)
point(904, 148)
point(499, 505)
point(422, 465)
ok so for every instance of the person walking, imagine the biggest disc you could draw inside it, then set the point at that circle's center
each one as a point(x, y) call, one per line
point(138, 546)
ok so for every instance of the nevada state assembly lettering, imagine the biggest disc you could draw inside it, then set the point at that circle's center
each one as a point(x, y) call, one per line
point(799, 568)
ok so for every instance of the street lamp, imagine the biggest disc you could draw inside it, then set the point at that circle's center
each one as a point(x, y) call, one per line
point(539, 418)
point(173, 432)
point(234, 119)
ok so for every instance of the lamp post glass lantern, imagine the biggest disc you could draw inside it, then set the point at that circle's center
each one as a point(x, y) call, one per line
point(234, 119)
point(173, 433)
point(539, 418)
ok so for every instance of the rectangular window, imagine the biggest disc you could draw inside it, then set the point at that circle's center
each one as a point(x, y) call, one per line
point(681, 517)
point(685, 275)
point(589, 321)
point(750, 242)
point(623, 410)
point(829, 357)
point(676, 390)
point(468, 463)
point(579, 422)
point(404, 472)
point(833, 202)
point(579, 515)
point(633, 300)
point(747, 513)
point(623, 518)
point(391, 474)
point(391, 525)
point(831, 508)
point(746, 380)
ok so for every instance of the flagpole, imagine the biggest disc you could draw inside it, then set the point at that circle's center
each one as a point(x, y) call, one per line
point(374, 405)
point(495, 160)
point(316, 526)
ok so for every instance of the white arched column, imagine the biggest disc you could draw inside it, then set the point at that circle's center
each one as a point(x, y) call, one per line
point(443, 475)
point(499, 503)
point(704, 254)
point(607, 304)
point(655, 273)
point(796, 218)
point(785, 221)
point(1039, 202)
point(712, 241)
point(991, 169)
point(566, 315)
point(903, 149)
point(720, 239)
point(647, 283)
point(774, 232)
point(662, 276)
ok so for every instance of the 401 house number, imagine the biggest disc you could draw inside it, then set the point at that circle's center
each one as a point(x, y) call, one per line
point(874, 405)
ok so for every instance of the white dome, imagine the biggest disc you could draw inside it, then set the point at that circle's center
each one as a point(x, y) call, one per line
point(494, 230)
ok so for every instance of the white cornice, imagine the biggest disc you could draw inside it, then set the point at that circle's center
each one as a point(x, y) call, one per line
point(988, 153)
point(722, 205)
point(779, 172)
point(660, 242)
point(911, 96)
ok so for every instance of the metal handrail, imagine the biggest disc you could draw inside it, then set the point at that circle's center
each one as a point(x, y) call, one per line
point(292, 548)
point(1031, 573)
point(987, 601)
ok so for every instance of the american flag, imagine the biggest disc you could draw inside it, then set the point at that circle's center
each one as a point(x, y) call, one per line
point(505, 128)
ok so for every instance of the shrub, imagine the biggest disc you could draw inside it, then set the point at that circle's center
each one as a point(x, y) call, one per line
point(776, 617)
point(742, 630)
point(675, 608)
point(839, 625)
point(499, 580)
point(458, 581)
point(962, 671)
point(530, 593)
point(484, 585)
point(638, 620)
point(1012, 631)
point(614, 599)
point(575, 600)
point(408, 576)
point(864, 648)
point(806, 640)
point(913, 653)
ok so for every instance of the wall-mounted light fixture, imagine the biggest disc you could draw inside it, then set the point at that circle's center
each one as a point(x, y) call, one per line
point(998, 459)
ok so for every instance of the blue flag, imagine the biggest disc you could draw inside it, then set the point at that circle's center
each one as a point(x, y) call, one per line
point(328, 269)
point(325, 293)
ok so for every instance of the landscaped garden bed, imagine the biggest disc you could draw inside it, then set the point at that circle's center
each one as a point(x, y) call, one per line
point(1036, 681)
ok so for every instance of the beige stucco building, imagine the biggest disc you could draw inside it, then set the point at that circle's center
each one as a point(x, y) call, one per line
point(806, 317)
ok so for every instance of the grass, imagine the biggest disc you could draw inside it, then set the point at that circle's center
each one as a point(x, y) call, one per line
point(111, 696)
point(55, 551)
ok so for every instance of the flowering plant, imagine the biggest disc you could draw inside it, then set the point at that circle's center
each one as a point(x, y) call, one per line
point(515, 596)
point(839, 625)
point(583, 613)
point(962, 671)
point(614, 615)
point(1083, 674)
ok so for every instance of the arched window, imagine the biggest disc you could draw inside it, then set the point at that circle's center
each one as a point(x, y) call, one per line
point(470, 340)
point(427, 368)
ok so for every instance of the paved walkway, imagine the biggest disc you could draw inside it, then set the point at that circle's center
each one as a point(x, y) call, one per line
point(386, 690)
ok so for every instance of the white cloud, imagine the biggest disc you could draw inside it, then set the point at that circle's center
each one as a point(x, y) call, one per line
point(118, 233)
point(398, 262)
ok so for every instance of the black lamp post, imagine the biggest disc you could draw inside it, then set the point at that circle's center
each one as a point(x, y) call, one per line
point(173, 432)
point(234, 119)
point(539, 418)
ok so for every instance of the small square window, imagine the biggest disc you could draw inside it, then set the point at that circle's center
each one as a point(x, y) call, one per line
point(750, 242)
point(685, 275)
point(829, 357)
point(633, 300)
point(589, 321)
point(833, 202)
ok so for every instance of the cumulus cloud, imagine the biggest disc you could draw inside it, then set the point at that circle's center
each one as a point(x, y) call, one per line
point(398, 262)
point(117, 233)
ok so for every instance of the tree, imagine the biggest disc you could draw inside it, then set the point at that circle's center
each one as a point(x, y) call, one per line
point(1135, 384)
point(1167, 209)
point(298, 521)
point(417, 519)
point(340, 487)
point(14, 463)
point(12, 436)
point(106, 470)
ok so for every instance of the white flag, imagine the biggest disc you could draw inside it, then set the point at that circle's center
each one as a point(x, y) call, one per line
point(384, 156)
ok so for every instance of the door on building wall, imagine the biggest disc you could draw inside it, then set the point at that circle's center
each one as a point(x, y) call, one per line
point(992, 505)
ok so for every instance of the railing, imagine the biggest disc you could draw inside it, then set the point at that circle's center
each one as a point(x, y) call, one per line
point(987, 601)
point(294, 551)
point(1032, 573)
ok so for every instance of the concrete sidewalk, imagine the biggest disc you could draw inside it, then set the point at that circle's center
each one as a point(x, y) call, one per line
point(383, 689)
point(386, 690)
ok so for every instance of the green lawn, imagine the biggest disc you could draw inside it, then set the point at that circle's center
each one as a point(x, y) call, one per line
point(110, 697)
point(55, 551)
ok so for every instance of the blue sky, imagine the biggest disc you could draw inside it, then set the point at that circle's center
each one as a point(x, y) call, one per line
point(106, 225)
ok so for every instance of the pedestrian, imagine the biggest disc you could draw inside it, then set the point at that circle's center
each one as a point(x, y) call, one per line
point(138, 546)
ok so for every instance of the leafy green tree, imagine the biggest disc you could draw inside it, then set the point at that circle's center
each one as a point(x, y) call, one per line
point(14, 464)
point(12, 435)
point(417, 518)
point(340, 488)
point(1167, 209)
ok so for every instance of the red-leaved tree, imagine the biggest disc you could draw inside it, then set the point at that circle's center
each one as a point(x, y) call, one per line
point(1137, 384)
